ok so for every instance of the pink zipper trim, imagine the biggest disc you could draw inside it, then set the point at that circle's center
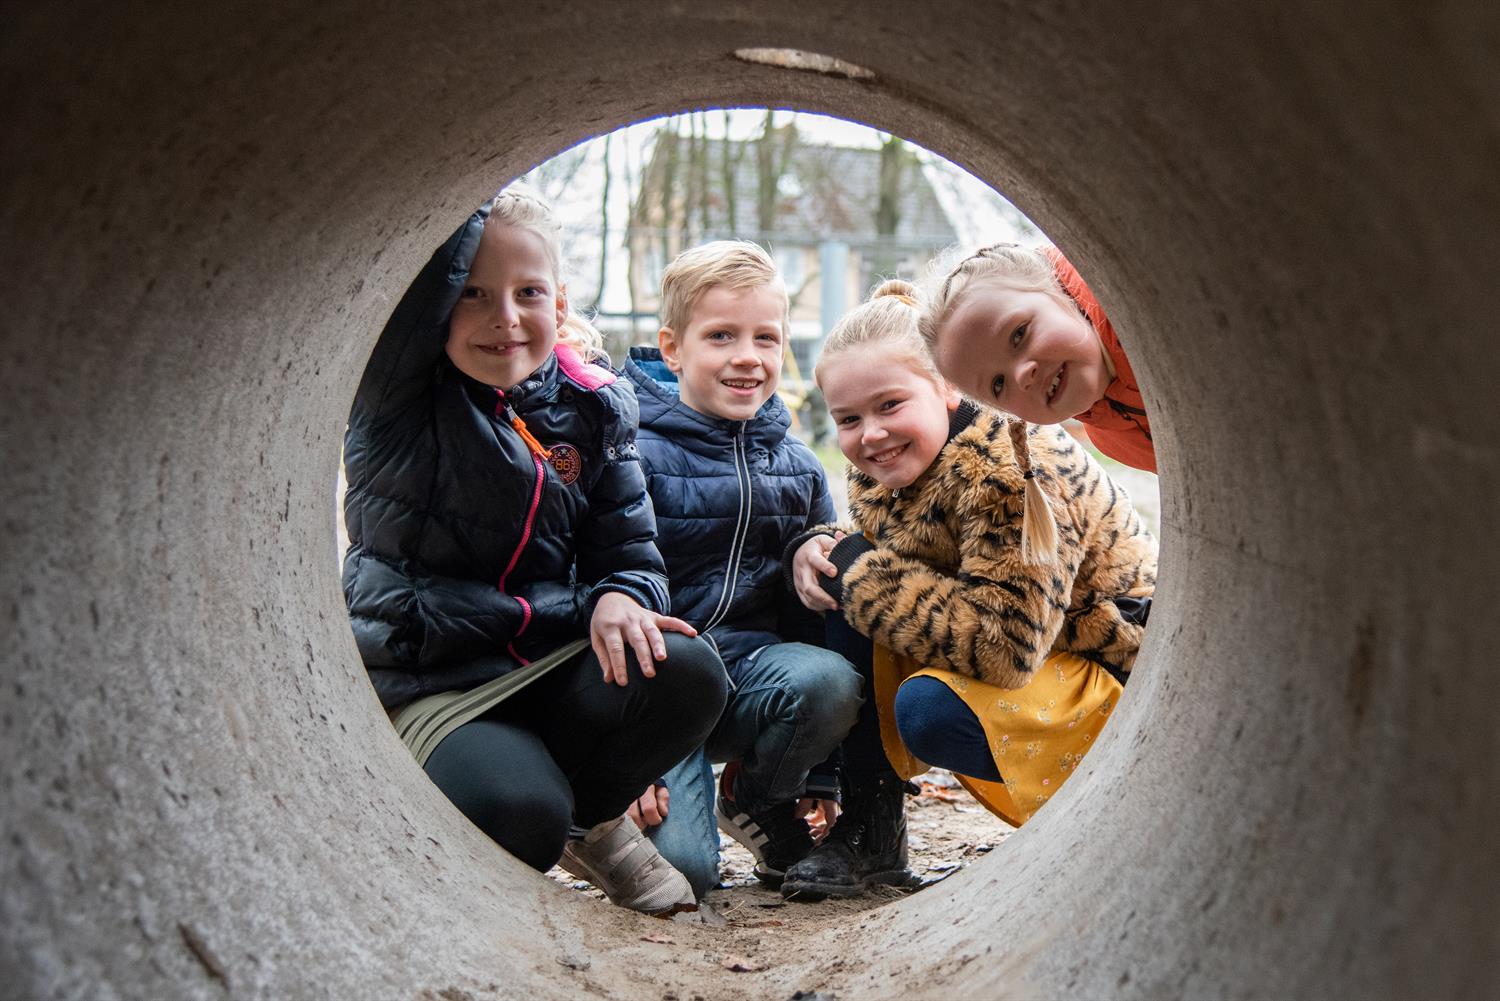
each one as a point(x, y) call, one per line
point(536, 498)
point(515, 557)
point(525, 621)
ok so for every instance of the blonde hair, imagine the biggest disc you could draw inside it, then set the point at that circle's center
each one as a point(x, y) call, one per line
point(736, 264)
point(892, 316)
point(888, 317)
point(1026, 269)
point(522, 206)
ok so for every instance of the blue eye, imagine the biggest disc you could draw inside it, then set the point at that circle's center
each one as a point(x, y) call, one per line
point(997, 387)
point(1018, 336)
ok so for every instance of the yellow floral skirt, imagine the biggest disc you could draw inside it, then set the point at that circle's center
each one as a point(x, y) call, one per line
point(1037, 734)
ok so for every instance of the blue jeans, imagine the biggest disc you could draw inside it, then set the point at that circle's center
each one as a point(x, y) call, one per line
point(791, 707)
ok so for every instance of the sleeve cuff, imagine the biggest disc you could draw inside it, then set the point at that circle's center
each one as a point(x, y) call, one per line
point(844, 556)
point(1133, 610)
point(823, 787)
point(635, 594)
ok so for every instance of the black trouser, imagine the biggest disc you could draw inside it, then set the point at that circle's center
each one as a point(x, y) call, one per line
point(864, 754)
point(571, 749)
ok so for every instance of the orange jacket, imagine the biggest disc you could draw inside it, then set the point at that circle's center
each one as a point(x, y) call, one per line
point(1117, 423)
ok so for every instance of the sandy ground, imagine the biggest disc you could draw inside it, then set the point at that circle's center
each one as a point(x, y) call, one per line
point(732, 947)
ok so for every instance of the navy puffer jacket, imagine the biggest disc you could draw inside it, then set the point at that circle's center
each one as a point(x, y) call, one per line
point(728, 495)
point(469, 554)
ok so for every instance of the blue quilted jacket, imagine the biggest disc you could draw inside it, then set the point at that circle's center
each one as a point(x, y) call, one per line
point(728, 495)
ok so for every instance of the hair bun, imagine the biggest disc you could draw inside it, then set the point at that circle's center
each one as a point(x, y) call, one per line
point(896, 287)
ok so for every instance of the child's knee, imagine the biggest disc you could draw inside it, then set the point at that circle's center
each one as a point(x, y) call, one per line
point(923, 708)
point(840, 689)
point(694, 673)
point(828, 690)
point(531, 822)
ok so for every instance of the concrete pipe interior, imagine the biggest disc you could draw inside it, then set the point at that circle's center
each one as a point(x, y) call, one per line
point(208, 215)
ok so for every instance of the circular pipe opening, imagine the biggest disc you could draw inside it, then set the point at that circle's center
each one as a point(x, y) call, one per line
point(1305, 806)
point(830, 191)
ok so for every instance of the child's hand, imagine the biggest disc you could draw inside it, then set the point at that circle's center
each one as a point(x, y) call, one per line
point(810, 562)
point(820, 815)
point(651, 808)
point(620, 622)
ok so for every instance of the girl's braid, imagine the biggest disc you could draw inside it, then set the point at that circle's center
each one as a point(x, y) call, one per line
point(1038, 525)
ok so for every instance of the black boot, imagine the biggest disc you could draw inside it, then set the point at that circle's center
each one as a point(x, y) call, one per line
point(867, 846)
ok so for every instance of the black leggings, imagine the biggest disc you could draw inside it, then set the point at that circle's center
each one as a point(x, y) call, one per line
point(864, 754)
point(571, 749)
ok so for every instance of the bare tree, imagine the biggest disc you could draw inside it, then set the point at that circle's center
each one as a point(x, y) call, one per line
point(705, 186)
point(896, 163)
point(692, 182)
point(729, 166)
point(773, 154)
point(555, 176)
point(631, 237)
point(667, 154)
point(603, 228)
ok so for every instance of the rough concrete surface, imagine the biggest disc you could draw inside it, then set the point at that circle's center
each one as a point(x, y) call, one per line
point(1289, 209)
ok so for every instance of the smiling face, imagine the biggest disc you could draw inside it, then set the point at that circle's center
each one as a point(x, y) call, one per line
point(892, 419)
point(1028, 353)
point(505, 323)
point(728, 356)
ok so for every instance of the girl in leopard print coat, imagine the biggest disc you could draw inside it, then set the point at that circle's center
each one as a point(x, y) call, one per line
point(991, 555)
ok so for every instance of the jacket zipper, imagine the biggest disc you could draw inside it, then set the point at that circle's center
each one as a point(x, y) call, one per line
point(538, 452)
point(737, 546)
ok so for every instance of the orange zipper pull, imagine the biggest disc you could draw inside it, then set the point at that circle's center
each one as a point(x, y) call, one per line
point(526, 436)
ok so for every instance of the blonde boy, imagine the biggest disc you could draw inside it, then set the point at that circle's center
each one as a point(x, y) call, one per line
point(731, 488)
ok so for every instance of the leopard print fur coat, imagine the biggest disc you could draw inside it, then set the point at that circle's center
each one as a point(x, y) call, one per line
point(946, 585)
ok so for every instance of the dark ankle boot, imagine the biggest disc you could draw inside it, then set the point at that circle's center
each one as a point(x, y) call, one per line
point(866, 846)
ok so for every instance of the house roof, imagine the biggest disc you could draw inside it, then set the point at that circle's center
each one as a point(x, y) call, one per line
point(826, 192)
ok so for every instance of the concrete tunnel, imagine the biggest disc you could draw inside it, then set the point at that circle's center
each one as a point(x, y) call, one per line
point(1291, 209)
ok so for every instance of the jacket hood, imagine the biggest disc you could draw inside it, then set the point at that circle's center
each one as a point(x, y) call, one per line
point(663, 411)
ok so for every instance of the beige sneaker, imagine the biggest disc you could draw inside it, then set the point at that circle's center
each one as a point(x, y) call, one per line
point(620, 860)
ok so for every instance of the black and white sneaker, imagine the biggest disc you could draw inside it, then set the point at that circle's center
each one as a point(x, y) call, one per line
point(775, 836)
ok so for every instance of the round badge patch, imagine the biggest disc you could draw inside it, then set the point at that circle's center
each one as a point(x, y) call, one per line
point(567, 462)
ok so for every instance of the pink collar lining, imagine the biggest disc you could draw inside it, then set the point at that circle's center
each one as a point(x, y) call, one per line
point(587, 375)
